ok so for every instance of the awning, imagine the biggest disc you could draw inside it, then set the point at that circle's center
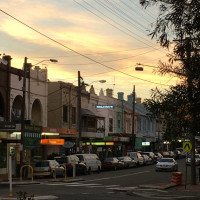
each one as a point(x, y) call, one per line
point(86, 112)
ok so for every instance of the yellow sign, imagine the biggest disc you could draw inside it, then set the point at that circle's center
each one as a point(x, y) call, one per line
point(187, 146)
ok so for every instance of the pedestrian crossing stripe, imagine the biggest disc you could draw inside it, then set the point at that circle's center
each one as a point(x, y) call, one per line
point(187, 146)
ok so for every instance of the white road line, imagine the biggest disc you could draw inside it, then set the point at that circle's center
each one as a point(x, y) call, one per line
point(107, 178)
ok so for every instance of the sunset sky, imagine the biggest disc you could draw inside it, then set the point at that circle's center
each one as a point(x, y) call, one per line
point(103, 39)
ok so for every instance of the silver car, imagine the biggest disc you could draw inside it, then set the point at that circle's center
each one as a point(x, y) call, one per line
point(48, 168)
point(167, 164)
point(197, 159)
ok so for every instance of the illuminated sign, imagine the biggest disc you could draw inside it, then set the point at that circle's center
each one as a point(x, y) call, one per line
point(104, 106)
point(99, 143)
point(145, 143)
point(52, 142)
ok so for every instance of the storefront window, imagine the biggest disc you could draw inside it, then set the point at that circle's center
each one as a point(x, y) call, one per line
point(3, 156)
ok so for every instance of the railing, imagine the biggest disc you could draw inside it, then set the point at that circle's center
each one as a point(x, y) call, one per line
point(55, 171)
point(21, 170)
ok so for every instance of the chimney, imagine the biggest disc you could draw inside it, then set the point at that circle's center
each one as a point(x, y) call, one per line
point(130, 98)
point(109, 92)
point(120, 95)
point(138, 100)
point(8, 59)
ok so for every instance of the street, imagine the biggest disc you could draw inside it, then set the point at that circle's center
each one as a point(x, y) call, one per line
point(106, 185)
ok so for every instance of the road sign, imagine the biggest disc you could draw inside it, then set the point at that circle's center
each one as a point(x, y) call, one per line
point(187, 146)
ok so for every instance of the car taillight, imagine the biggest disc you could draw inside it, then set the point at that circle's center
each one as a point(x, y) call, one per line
point(49, 169)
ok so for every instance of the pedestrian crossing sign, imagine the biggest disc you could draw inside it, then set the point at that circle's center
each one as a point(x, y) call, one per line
point(187, 146)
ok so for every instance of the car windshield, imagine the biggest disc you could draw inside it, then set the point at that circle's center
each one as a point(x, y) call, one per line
point(61, 160)
point(121, 158)
point(108, 159)
point(165, 160)
point(42, 164)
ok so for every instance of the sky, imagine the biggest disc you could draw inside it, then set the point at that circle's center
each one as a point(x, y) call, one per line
point(103, 39)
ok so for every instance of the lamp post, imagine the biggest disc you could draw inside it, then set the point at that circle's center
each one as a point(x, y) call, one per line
point(79, 136)
point(133, 113)
point(26, 67)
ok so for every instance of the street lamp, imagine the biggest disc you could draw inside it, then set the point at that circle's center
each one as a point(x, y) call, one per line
point(26, 68)
point(133, 113)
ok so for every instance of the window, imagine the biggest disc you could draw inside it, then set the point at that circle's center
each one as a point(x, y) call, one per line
point(3, 155)
point(110, 125)
point(73, 115)
point(65, 112)
point(118, 123)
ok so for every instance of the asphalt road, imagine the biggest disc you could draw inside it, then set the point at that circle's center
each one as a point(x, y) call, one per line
point(107, 185)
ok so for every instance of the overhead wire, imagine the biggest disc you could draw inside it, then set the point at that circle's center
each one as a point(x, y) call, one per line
point(55, 41)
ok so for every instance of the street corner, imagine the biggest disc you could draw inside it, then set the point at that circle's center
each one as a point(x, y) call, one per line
point(48, 197)
point(160, 186)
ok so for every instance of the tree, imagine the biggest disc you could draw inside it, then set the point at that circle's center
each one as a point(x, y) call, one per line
point(179, 21)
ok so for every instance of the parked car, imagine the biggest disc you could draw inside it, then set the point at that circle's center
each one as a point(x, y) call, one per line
point(171, 153)
point(47, 168)
point(111, 163)
point(147, 160)
point(197, 159)
point(69, 162)
point(166, 154)
point(151, 155)
point(137, 157)
point(158, 156)
point(183, 153)
point(177, 154)
point(167, 164)
point(91, 161)
point(127, 161)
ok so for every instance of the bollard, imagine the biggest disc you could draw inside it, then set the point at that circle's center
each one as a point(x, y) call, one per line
point(199, 174)
point(177, 178)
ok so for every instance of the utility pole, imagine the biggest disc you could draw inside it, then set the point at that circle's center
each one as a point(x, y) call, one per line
point(23, 111)
point(133, 121)
point(78, 143)
point(191, 100)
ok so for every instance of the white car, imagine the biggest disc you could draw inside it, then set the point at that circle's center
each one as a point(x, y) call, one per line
point(166, 164)
point(197, 159)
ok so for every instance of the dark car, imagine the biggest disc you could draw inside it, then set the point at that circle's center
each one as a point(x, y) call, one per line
point(151, 155)
point(111, 163)
point(127, 161)
point(147, 160)
point(69, 161)
point(158, 156)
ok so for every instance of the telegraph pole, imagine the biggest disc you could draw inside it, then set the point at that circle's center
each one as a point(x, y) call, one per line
point(23, 111)
point(133, 120)
point(78, 143)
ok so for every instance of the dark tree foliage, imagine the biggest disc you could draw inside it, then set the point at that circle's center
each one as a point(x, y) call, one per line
point(178, 23)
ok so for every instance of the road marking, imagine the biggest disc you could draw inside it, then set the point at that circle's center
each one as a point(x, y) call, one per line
point(113, 177)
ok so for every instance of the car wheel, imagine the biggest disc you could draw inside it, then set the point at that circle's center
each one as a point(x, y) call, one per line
point(89, 170)
point(98, 170)
point(84, 171)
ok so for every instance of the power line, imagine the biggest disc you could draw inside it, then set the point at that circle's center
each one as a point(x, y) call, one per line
point(77, 51)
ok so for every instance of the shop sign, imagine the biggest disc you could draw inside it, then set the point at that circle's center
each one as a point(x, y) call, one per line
point(52, 142)
point(104, 106)
point(145, 143)
point(138, 143)
point(7, 125)
point(68, 144)
point(32, 136)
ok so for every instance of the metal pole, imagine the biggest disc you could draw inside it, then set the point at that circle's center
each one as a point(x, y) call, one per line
point(23, 110)
point(133, 120)
point(10, 176)
point(79, 112)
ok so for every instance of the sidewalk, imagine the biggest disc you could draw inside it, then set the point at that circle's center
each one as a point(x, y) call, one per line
point(30, 182)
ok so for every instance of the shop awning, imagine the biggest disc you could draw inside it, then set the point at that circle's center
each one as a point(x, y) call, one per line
point(86, 112)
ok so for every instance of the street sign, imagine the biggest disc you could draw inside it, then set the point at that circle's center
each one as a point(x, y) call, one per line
point(187, 146)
